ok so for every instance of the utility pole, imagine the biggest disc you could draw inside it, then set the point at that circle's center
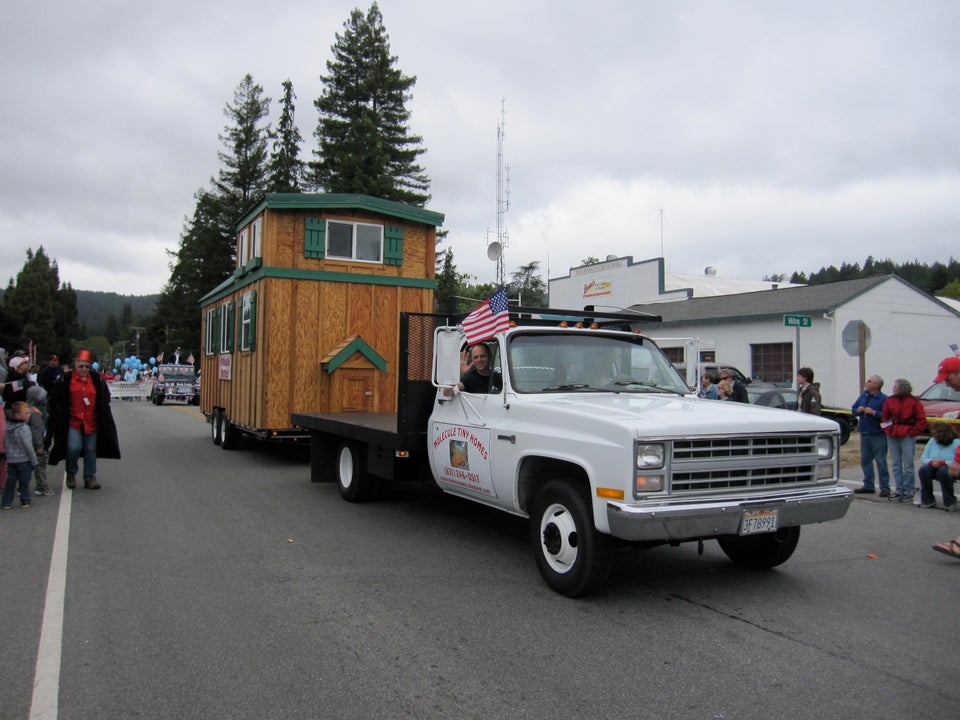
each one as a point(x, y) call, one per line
point(137, 329)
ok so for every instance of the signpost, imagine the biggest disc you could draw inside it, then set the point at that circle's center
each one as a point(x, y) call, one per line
point(797, 321)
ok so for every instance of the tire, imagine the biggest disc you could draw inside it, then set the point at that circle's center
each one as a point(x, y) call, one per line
point(215, 419)
point(352, 479)
point(229, 435)
point(844, 430)
point(761, 551)
point(572, 557)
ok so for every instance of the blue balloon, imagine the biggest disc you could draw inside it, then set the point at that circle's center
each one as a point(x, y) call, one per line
point(95, 366)
point(116, 363)
point(153, 361)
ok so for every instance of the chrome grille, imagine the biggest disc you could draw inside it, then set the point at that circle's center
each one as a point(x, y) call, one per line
point(741, 463)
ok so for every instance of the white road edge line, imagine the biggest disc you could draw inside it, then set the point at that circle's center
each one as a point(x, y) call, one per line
point(46, 678)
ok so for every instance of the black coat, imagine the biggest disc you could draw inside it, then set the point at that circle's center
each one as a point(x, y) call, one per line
point(58, 405)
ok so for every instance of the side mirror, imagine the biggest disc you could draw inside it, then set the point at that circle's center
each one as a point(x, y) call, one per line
point(447, 342)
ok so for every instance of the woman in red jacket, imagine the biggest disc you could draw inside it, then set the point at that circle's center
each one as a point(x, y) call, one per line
point(903, 419)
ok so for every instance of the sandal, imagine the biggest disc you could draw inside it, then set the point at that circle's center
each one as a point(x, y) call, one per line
point(949, 548)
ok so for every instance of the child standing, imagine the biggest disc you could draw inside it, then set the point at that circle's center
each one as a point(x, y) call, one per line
point(37, 400)
point(21, 457)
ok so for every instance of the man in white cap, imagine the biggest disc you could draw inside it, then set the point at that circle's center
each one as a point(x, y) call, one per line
point(15, 387)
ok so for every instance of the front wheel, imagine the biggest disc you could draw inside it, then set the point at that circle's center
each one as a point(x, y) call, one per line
point(761, 551)
point(572, 557)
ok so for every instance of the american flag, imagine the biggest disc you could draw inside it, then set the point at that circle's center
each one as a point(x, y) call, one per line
point(190, 359)
point(488, 319)
point(160, 358)
point(956, 350)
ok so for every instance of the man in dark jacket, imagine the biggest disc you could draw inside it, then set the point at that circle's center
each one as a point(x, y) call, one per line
point(808, 392)
point(739, 393)
point(81, 422)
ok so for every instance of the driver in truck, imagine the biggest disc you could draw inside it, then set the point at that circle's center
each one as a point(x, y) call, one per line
point(476, 374)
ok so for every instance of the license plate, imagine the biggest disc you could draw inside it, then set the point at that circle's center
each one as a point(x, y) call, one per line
point(758, 521)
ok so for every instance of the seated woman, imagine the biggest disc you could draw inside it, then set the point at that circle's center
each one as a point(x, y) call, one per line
point(935, 463)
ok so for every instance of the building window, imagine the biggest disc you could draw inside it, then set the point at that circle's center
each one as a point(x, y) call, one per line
point(255, 238)
point(772, 362)
point(212, 332)
point(248, 320)
point(354, 241)
point(243, 247)
point(227, 326)
point(674, 355)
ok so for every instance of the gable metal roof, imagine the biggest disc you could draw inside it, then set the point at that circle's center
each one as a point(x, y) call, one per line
point(334, 201)
point(807, 300)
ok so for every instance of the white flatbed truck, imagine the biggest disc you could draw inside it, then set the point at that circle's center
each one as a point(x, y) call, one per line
point(593, 436)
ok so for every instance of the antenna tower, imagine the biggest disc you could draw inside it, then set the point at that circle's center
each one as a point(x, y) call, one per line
point(503, 198)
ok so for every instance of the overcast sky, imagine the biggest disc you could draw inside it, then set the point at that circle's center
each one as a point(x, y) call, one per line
point(774, 136)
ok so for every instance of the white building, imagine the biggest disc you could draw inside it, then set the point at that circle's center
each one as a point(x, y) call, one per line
point(905, 332)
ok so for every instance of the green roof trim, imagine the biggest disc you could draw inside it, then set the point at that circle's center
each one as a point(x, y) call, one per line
point(358, 344)
point(240, 280)
point(341, 201)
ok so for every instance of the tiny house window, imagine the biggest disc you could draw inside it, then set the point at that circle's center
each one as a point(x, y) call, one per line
point(243, 247)
point(212, 331)
point(227, 326)
point(248, 320)
point(255, 238)
point(354, 241)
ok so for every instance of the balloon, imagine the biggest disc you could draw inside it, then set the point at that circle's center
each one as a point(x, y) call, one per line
point(153, 361)
point(95, 366)
point(116, 363)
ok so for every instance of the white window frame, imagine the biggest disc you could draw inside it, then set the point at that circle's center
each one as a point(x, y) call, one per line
point(208, 339)
point(225, 327)
point(246, 320)
point(255, 234)
point(353, 241)
point(243, 247)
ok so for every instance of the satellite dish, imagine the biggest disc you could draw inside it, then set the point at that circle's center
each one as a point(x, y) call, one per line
point(494, 250)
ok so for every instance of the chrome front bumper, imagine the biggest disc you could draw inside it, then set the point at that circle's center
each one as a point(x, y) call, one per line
point(688, 519)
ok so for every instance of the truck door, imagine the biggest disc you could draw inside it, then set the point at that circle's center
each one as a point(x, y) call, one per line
point(463, 435)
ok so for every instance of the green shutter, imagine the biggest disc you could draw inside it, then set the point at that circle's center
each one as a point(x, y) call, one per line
point(253, 319)
point(231, 324)
point(314, 241)
point(393, 245)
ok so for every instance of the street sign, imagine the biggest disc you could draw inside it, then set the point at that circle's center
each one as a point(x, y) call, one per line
point(798, 320)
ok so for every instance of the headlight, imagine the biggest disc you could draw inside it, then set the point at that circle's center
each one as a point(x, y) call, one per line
point(649, 457)
point(825, 448)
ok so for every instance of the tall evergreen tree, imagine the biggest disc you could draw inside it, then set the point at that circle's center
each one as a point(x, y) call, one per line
point(33, 305)
point(204, 259)
point(364, 145)
point(285, 169)
point(243, 172)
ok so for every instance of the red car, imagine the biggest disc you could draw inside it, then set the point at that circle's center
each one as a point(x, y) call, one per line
point(940, 401)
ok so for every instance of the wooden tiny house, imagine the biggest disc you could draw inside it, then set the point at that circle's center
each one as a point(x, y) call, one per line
point(309, 320)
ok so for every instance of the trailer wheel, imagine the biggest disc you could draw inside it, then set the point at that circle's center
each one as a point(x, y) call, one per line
point(352, 478)
point(215, 419)
point(572, 557)
point(229, 435)
point(761, 551)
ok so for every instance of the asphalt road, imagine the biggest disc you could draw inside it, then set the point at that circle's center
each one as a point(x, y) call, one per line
point(203, 583)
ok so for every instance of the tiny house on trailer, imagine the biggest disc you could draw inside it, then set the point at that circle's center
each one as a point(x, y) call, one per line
point(309, 320)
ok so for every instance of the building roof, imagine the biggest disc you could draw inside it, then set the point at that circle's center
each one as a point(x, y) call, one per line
point(801, 299)
point(335, 201)
point(710, 285)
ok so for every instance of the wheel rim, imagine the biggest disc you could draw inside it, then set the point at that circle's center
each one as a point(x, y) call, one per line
point(558, 538)
point(223, 425)
point(345, 468)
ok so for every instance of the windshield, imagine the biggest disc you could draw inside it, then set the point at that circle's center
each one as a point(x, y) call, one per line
point(941, 391)
point(581, 362)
